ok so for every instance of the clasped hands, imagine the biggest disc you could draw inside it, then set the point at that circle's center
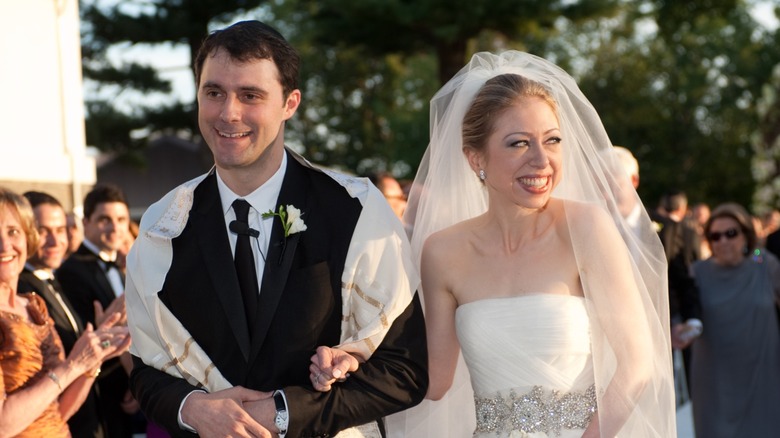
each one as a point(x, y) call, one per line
point(331, 365)
point(243, 412)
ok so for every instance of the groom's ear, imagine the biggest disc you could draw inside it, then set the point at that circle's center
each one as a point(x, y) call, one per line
point(474, 157)
point(291, 103)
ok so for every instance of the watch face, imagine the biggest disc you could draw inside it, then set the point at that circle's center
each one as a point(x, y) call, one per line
point(281, 420)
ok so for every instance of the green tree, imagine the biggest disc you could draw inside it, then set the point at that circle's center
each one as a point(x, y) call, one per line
point(372, 66)
point(149, 23)
point(766, 143)
point(681, 94)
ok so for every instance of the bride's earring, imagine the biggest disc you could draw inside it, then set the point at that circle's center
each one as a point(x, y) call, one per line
point(482, 174)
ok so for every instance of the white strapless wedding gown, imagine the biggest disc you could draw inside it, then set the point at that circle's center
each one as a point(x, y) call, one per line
point(529, 358)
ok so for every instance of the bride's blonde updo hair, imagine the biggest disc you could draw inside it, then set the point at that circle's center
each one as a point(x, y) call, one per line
point(497, 95)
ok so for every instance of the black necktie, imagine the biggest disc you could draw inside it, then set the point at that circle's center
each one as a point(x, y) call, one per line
point(245, 265)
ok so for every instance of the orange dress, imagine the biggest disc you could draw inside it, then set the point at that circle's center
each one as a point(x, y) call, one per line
point(28, 350)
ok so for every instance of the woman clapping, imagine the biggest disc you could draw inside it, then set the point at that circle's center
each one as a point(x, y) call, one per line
point(41, 388)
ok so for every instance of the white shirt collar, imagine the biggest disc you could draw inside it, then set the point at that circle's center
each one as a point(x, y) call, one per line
point(262, 199)
point(633, 218)
point(40, 274)
point(103, 255)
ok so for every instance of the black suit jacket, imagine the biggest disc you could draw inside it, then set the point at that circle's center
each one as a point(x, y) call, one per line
point(85, 423)
point(682, 246)
point(28, 282)
point(299, 310)
point(83, 280)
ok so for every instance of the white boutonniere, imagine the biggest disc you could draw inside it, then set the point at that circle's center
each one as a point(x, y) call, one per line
point(292, 222)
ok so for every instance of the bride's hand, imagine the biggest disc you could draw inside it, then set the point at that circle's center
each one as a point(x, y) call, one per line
point(330, 365)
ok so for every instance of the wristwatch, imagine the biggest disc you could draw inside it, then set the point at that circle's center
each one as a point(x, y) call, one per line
point(282, 420)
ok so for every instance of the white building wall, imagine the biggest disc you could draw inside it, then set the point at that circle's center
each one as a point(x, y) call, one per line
point(41, 103)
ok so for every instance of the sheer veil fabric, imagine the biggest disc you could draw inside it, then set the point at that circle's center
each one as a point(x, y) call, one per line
point(623, 272)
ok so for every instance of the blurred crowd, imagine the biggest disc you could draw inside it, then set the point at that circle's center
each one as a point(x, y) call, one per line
point(63, 325)
point(724, 296)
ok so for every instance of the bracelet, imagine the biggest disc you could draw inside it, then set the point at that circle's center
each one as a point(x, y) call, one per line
point(93, 374)
point(54, 378)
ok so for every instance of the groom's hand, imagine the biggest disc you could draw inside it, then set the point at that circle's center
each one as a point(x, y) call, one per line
point(223, 413)
point(330, 365)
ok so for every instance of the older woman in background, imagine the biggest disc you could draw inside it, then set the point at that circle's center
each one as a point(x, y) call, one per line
point(40, 388)
point(736, 362)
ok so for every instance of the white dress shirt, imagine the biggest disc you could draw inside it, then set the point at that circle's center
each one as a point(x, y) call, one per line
point(261, 201)
point(112, 272)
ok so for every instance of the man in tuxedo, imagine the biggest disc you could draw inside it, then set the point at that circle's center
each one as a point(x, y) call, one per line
point(682, 246)
point(38, 277)
point(227, 303)
point(90, 275)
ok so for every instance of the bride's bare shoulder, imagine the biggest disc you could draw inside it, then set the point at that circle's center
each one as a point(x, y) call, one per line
point(452, 238)
point(585, 213)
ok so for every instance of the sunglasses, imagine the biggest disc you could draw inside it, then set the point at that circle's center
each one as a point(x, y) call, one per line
point(728, 234)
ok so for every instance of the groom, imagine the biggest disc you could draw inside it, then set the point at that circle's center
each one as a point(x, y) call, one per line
point(227, 303)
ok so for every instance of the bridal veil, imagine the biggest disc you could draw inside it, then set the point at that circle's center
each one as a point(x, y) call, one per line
point(625, 290)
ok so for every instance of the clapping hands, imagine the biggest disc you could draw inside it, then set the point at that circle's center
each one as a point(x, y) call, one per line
point(116, 306)
point(95, 346)
point(330, 365)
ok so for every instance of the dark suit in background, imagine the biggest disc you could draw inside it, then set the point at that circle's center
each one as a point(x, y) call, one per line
point(86, 422)
point(83, 279)
point(682, 246)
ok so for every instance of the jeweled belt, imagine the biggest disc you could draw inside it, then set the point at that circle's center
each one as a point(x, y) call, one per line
point(538, 410)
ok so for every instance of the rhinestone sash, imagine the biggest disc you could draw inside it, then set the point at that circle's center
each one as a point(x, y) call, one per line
point(538, 410)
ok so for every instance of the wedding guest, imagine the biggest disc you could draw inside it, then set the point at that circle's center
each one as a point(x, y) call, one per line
point(91, 275)
point(701, 213)
point(735, 379)
point(38, 276)
point(41, 386)
point(121, 253)
point(529, 268)
point(238, 275)
point(682, 247)
point(391, 189)
point(629, 206)
point(75, 233)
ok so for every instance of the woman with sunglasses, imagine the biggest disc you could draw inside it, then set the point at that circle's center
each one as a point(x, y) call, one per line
point(735, 383)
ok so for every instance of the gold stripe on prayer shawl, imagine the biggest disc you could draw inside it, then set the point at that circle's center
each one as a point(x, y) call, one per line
point(206, 373)
point(187, 376)
point(180, 359)
point(351, 318)
point(369, 300)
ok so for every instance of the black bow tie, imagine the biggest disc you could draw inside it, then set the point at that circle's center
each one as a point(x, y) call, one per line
point(110, 264)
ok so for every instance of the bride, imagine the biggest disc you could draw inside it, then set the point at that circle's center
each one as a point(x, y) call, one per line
point(528, 268)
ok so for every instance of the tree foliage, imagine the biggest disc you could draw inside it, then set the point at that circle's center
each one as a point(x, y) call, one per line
point(682, 96)
point(441, 27)
point(677, 82)
point(372, 66)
